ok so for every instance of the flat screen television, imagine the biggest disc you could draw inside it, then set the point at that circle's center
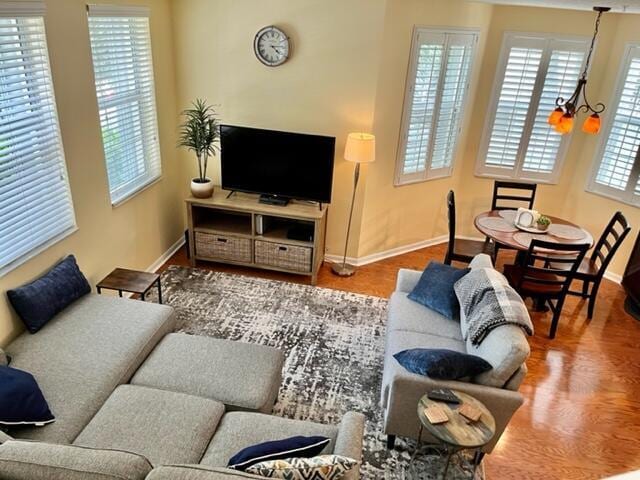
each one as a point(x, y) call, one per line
point(276, 164)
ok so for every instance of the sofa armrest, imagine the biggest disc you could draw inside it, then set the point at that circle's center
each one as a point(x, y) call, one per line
point(197, 472)
point(405, 392)
point(349, 441)
point(407, 280)
point(4, 437)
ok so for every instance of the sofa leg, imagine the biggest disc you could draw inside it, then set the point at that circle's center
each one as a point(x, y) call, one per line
point(391, 442)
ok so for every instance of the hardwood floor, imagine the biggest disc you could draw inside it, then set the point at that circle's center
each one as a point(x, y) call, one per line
point(581, 415)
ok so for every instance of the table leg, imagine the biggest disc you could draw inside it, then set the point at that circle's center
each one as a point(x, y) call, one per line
point(446, 465)
point(418, 445)
point(99, 290)
point(159, 291)
point(120, 293)
point(477, 460)
point(142, 296)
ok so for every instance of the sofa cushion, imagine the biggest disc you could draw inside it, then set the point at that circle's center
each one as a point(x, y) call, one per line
point(239, 430)
point(21, 400)
point(435, 289)
point(482, 260)
point(441, 363)
point(243, 376)
point(89, 349)
point(165, 427)
point(39, 301)
point(406, 315)
point(21, 460)
point(197, 472)
point(297, 446)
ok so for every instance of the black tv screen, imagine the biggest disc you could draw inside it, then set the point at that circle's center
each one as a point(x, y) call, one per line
point(289, 165)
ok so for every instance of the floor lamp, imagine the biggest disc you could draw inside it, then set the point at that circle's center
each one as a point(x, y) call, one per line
point(360, 148)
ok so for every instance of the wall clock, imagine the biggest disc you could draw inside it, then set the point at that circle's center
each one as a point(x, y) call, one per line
point(271, 46)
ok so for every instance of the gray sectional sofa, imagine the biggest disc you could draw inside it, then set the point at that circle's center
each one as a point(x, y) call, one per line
point(411, 325)
point(134, 401)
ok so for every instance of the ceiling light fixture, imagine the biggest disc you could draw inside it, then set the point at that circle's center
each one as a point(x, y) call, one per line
point(562, 117)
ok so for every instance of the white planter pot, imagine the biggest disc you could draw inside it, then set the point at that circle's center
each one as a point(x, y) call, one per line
point(201, 190)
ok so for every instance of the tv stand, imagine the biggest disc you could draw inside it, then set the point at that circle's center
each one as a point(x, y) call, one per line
point(241, 230)
point(274, 200)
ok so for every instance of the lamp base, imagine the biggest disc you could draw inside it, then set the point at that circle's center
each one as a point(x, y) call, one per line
point(341, 270)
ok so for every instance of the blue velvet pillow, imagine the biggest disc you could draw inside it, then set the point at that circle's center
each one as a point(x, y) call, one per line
point(435, 289)
point(21, 401)
point(289, 447)
point(39, 301)
point(442, 364)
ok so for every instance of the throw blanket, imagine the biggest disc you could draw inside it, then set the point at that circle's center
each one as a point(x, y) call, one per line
point(488, 302)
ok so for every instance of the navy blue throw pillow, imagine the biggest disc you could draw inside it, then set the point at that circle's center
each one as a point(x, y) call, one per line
point(299, 446)
point(21, 401)
point(442, 364)
point(39, 301)
point(435, 289)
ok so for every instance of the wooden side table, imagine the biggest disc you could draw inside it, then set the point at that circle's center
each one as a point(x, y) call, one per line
point(457, 433)
point(131, 281)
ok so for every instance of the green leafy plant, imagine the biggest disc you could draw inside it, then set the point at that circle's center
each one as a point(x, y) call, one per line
point(200, 133)
point(543, 222)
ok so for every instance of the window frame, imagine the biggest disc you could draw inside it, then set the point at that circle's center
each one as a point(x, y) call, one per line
point(400, 178)
point(548, 42)
point(37, 10)
point(629, 197)
point(150, 178)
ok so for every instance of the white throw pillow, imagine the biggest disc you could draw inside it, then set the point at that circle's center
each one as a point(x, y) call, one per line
point(322, 467)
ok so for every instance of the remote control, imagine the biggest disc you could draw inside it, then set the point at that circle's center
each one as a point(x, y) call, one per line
point(443, 395)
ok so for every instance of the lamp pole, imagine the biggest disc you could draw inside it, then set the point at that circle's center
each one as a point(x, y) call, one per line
point(343, 269)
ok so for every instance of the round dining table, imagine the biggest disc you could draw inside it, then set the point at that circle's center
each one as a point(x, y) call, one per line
point(499, 226)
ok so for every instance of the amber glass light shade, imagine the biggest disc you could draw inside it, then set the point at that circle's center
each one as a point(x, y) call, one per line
point(592, 124)
point(565, 125)
point(555, 116)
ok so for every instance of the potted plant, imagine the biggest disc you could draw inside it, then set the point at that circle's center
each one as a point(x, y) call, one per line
point(200, 133)
point(543, 223)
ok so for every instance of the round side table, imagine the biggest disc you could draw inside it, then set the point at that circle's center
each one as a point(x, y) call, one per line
point(457, 433)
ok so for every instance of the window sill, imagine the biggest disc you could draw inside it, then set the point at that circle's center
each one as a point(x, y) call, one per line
point(37, 251)
point(496, 176)
point(403, 183)
point(612, 197)
point(135, 192)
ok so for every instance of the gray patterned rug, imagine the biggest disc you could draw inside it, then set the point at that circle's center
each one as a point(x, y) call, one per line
point(333, 341)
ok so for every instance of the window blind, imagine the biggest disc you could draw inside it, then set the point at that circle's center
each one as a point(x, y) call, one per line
point(123, 69)
point(533, 72)
point(618, 159)
point(35, 201)
point(438, 80)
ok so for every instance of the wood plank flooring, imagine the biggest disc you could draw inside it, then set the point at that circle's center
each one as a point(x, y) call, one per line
point(581, 417)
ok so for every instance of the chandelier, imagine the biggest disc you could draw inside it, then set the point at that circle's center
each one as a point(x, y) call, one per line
point(561, 119)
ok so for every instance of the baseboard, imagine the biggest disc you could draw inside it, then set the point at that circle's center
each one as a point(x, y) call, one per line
point(393, 252)
point(374, 257)
point(166, 255)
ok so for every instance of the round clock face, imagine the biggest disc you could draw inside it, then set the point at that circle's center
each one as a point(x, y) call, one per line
point(271, 46)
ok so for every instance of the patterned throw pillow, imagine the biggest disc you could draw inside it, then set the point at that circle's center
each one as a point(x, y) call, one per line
point(322, 467)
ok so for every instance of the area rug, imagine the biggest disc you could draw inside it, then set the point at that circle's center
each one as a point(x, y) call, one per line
point(334, 347)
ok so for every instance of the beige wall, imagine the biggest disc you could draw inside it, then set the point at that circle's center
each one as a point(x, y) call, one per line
point(328, 87)
point(139, 231)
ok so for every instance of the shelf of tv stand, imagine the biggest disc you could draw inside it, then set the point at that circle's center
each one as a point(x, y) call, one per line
point(234, 220)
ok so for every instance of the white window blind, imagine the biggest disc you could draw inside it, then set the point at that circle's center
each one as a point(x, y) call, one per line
point(533, 71)
point(438, 80)
point(617, 166)
point(123, 69)
point(35, 203)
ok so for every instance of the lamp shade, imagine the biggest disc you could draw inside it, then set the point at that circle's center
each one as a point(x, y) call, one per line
point(565, 125)
point(592, 124)
point(555, 116)
point(360, 148)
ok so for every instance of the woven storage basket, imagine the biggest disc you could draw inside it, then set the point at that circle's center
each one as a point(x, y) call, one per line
point(224, 247)
point(289, 257)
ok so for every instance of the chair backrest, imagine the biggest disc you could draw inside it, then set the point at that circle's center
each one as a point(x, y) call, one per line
point(552, 265)
point(451, 215)
point(609, 242)
point(524, 200)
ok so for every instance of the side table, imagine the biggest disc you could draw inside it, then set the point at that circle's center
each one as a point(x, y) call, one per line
point(131, 281)
point(457, 433)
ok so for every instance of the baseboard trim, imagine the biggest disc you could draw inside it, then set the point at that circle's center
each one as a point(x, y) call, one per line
point(393, 252)
point(166, 255)
point(374, 257)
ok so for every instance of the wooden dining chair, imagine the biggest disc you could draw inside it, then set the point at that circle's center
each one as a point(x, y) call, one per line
point(545, 276)
point(592, 269)
point(525, 200)
point(460, 249)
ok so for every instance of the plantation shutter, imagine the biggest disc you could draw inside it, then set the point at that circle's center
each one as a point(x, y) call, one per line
point(618, 170)
point(438, 81)
point(123, 69)
point(35, 202)
point(519, 142)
